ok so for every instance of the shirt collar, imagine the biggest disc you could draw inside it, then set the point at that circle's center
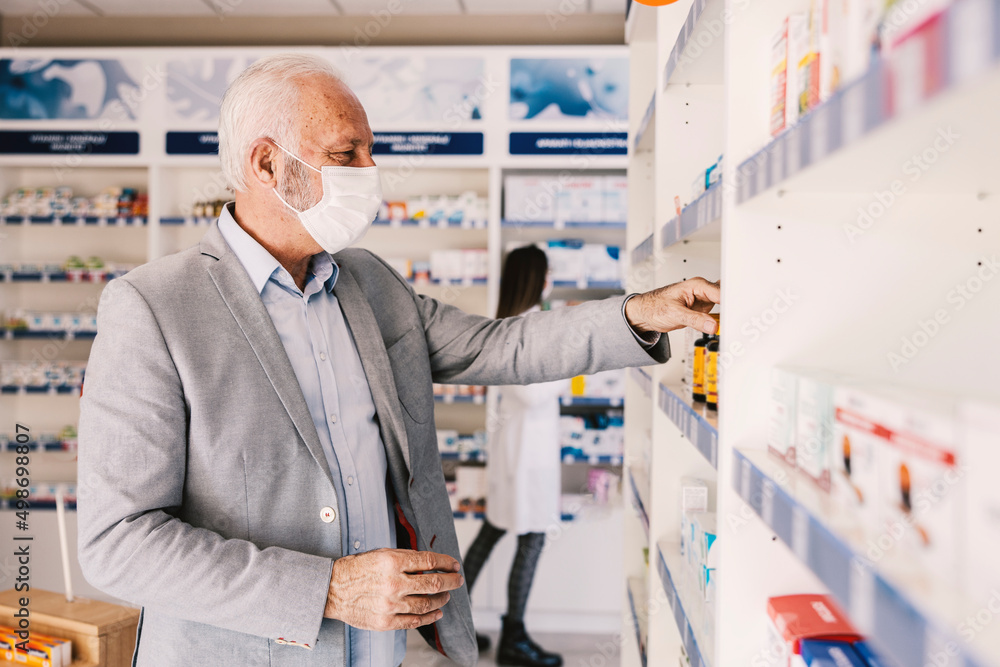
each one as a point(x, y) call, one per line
point(259, 264)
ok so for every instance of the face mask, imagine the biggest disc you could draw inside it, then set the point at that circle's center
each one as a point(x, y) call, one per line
point(547, 290)
point(351, 199)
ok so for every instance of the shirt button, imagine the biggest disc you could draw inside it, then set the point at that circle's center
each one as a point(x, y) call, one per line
point(333, 419)
point(357, 544)
point(322, 356)
point(280, 641)
point(350, 481)
point(327, 514)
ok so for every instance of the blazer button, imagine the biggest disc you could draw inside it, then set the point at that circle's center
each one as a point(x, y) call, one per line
point(328, 514)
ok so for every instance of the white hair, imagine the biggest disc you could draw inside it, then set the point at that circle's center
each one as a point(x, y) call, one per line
point(262, 102)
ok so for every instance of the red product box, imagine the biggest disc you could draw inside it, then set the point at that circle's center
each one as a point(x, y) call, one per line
point(809, 616)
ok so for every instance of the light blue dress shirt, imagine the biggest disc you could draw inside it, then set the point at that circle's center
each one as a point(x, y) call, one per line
point(325, 359)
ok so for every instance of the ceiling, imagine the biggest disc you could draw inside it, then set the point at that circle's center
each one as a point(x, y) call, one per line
point(326, 8)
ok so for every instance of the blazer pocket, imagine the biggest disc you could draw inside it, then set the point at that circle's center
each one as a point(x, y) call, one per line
point(411, 374)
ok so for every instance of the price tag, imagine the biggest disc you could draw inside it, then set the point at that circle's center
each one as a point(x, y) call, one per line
point(745, 473)
point(800, 533)
point(47, 278)
point(777, 161)
point(424, 223)
point(559, 224)
point(581, 283)
point(767, 503)
point(861, 592)
point(448, 398)
point(442, 223)
point(102, 221)
point(853, 113)
point(793, 151)
point(819, 127)
point(395, 223)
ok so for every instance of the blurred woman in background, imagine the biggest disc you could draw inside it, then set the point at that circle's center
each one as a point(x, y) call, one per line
point(523, 470)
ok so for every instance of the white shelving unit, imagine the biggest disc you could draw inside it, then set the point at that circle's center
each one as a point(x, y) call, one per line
point(823, 265)
point(175, 182)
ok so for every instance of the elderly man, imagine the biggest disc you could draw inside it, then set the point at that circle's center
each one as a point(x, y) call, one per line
point(258, 461)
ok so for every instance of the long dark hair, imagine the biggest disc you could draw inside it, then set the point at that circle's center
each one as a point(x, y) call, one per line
point(522, 281)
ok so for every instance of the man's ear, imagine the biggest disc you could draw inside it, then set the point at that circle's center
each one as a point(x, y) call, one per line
point(263, 164)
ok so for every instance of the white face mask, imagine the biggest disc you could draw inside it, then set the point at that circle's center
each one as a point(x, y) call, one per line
point(351, 199)
point(547, 290)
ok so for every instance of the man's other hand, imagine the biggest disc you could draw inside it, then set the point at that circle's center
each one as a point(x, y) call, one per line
point(391, 589)
point(684, 304)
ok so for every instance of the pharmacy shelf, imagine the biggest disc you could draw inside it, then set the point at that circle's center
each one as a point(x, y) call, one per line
point(48, 276)
point(482, 515)
point(560, 224)
point(701, 220)
point(40, 445)
point(454, 282)
point(593, 459)
point(697, 54)
point(637, 495)
point(451, 398)
point(188, 221)
point(867, 129)
point(43, 389)
point(25, 334)
point(427, 223)
point(73, 220)
point(647, 128)
point(36, 505)
point(588, 284)
point(907, 623)
point(637, 593)
point(588, 402)
point(698, 424)
point(464, 457)
point(644, 380)
point(643, 251)
point(687, 604)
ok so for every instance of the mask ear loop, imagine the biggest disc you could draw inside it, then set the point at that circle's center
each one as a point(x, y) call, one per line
point(293, 155)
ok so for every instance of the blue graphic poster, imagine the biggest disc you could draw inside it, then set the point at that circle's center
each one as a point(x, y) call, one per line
point(39, 89)
point(195, 87)
point(567, 88)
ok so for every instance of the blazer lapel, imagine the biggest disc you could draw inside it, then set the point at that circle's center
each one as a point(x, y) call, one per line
point(247, 308)
point(375, 361)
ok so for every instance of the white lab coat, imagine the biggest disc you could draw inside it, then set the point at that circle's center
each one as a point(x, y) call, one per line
point(523, 467)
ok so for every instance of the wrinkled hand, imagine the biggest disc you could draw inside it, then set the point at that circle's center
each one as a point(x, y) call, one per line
point(675, 306)
point(391, 589)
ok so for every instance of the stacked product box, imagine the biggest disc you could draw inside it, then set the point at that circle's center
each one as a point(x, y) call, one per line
point(456, 390)
point(601, 434)
point(892, 460)
point(467, 207)
point(59, 202)
point(604, 384)
point(706, 178)
point(25, 320)
point(459, 265)
point(577, 262)
point(809, 630)
point(41, 374)
point(34, 649)
point(562, 199)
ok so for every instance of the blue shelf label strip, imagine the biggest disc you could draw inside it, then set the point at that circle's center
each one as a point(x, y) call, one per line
point(192, 143)
point(428, 143)
point(57, 142)
point(569, 143)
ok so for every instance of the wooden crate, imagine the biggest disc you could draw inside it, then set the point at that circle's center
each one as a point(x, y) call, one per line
point(103, 634)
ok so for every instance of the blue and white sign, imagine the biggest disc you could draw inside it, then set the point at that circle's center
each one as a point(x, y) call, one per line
point(53, 142)
point(569, 143)
point(428, 143)
point(192, 143)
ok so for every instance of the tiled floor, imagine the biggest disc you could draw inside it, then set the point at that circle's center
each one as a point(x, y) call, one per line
point(578, 650)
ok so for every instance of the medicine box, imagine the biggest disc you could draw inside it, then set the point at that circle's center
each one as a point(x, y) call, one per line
point(567, 260)
point(859, 426)
point(694, 495)
point(530, 198)
point(782, 415)
point(816, 653)
point(981, 448)
point(615, 199)
point(814, 425)
point(779, 78)
point(921, 485)
point(601, 263)
point(580, 199)
point(805, 41)
point(795, 618)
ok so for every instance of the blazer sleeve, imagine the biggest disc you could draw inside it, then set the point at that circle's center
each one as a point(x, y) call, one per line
point(132, 452)
point(536, 347)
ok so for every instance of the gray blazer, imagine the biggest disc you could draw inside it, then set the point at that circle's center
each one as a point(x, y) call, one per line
point(201, 476)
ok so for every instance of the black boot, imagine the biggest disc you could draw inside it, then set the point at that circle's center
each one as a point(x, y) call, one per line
point(516, 648)
point(483, 641)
